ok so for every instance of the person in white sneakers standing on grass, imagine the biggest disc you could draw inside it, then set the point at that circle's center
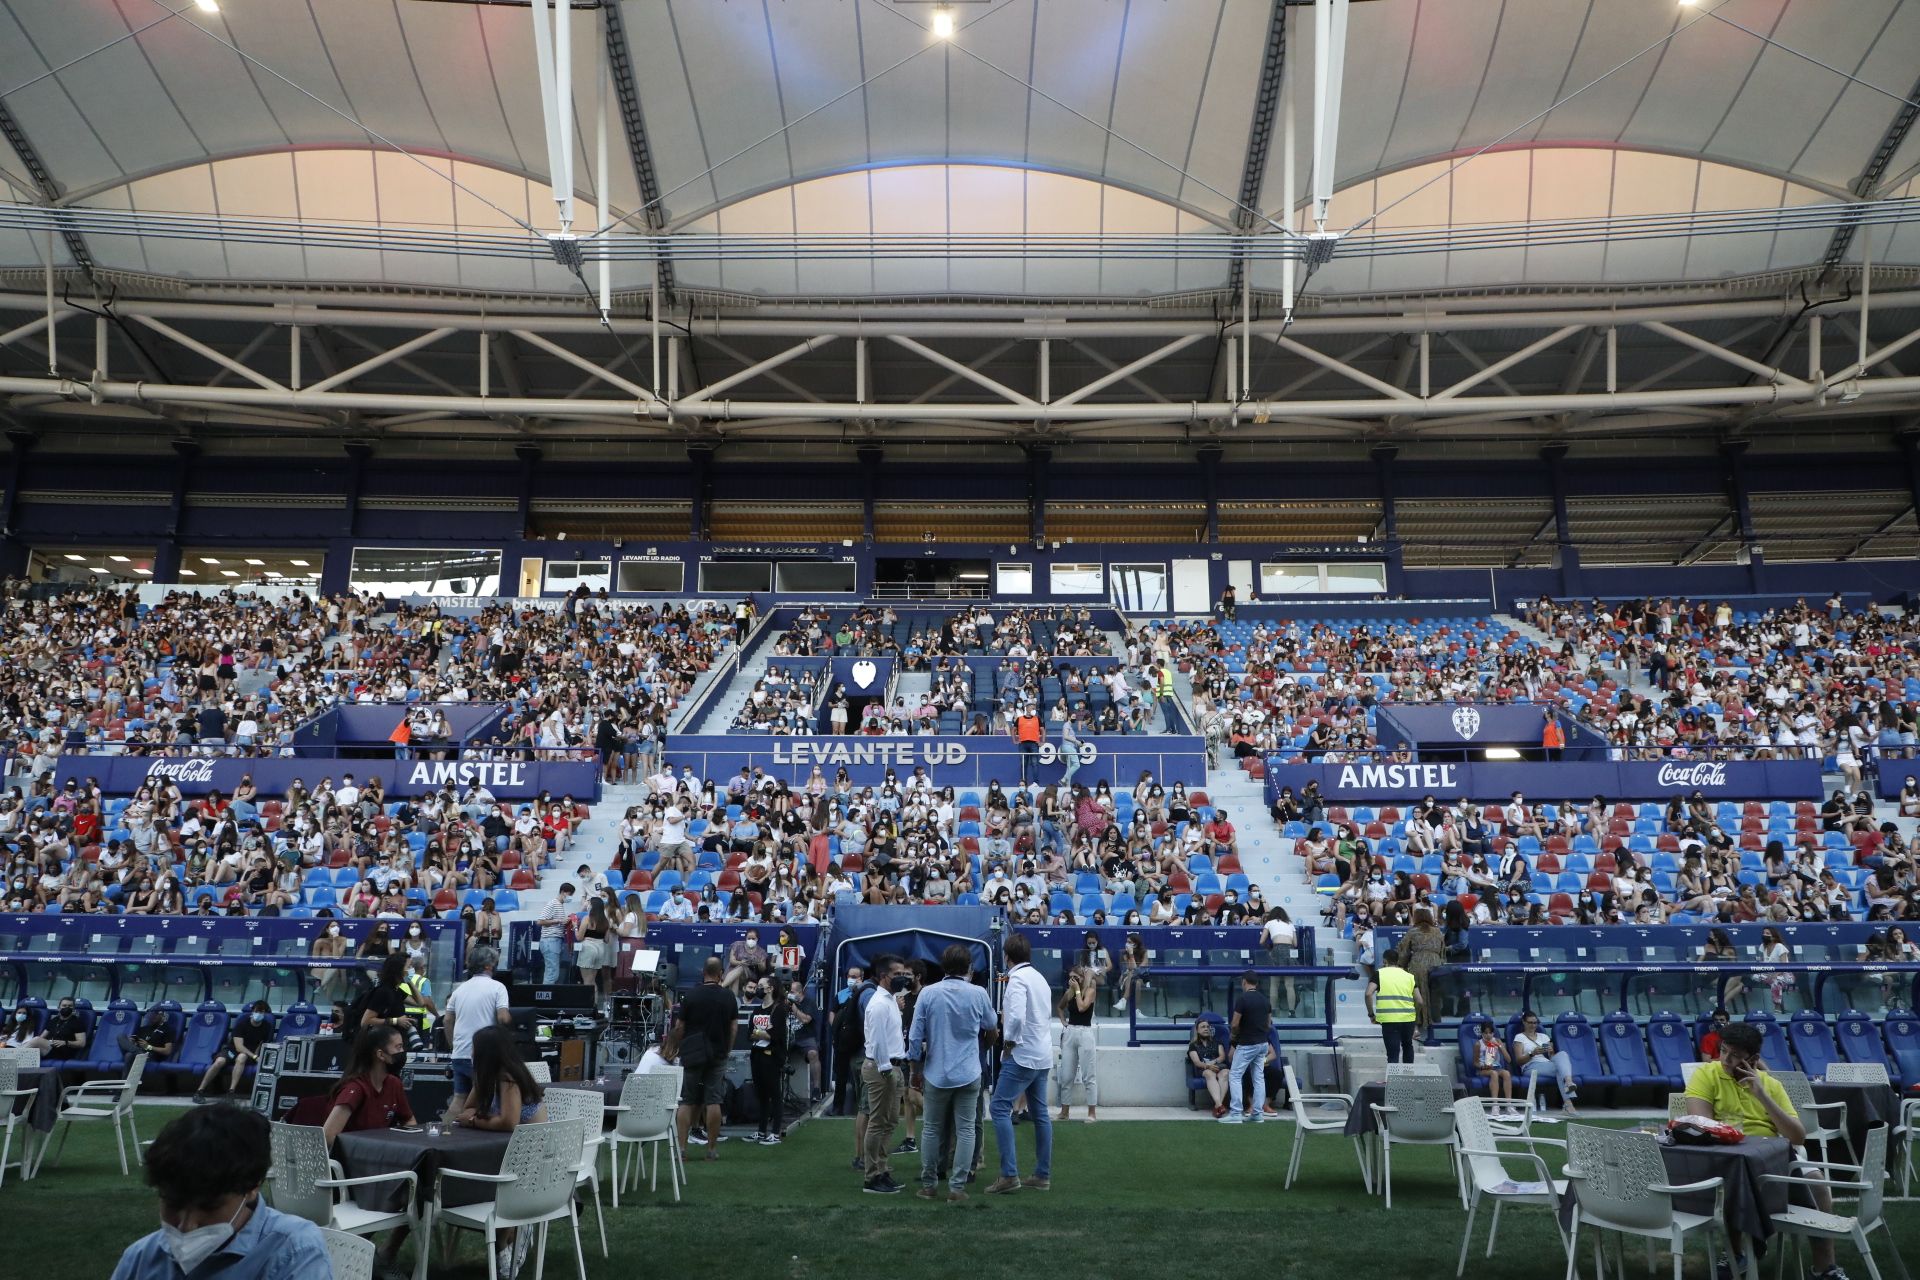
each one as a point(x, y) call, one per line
point(1077, 1050)
point(1252, 1016)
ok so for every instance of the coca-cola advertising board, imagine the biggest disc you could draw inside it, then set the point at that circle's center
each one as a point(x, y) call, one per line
point(518, 779)
point(1368, 781)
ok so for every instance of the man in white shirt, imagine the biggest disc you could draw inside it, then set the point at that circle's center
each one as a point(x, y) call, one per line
point(883, 1075)
point(347, 795)
point(1026, 1056)
point(677, 907)
point(676, 851)
point(478, 1002)
point(553, 933)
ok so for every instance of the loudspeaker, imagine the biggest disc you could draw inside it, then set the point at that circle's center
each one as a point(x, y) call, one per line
point(312, 1053)
point(275, 1097)
point(620, 1053)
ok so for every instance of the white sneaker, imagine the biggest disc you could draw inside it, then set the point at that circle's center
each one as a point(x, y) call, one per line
point(1119, 1006)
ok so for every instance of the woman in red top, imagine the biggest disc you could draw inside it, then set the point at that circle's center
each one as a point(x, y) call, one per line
point(369, 1095)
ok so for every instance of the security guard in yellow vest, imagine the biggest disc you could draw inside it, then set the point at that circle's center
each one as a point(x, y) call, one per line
point(1163, 691)
point(1394, 1002)
point(419, 1001)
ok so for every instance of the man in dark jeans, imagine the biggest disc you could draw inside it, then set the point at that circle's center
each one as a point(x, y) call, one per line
point(1252, 1016)
point(706, 1022)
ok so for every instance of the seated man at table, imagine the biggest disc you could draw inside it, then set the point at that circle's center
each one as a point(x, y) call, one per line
point(208, 1165)
point(1737, 1089)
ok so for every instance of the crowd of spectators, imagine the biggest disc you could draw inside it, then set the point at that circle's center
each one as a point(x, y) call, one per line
point(1828, 681)
point(917, 638)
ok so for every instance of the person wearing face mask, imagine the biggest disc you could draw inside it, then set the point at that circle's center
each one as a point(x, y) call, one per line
point(417, 989)
point(244, 1039)
point(207, 1167)
point(330, 945)
point(153, 1037)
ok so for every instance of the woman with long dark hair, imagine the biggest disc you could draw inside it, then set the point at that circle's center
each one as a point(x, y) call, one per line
point(369, 1095)
point(505, 1094)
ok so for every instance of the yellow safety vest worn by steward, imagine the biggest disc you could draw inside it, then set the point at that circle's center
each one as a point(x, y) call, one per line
point(415, 1006)
point(1394, 1001)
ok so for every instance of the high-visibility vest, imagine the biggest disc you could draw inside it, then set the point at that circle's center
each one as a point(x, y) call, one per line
point(1027, 728)
point(1394, 1001)
point(415, 1006)
point(1553, 735)
point(1166, 682)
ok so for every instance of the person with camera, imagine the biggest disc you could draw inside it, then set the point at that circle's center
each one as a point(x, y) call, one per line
point(768, 1033)
point(1737, 1089)
point(153, 1037)
point(706, 1024)
point(883, 1070)
point(952, 1019)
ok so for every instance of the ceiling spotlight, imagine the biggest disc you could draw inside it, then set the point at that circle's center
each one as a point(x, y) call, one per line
point(74, 557)
point(118, 559)
point(273, 573)
point(185, 573)
point(301, 563)
point(148, 573)
point(229, 573)
point(207, 6)
point(208, 560)
point(252, 561)
point(943, 23)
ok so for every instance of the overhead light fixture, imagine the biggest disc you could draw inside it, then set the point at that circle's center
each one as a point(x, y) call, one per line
point(76, 559)
point(118, 559)
point(207, 6)
point(1502, 753)
point(229, 573)
point(252, 561)
point(943, 23)
point(185, 573)
point(314, 574)
point(208, 560)
point(148, 573)
point(273, 573)
point(301, 563)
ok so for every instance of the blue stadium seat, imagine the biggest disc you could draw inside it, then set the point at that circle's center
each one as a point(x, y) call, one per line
point(1196, 1084)
point(103, 1050)
point(1812, 1042)
point(1860, 1040)
point(1902, 1032)
point(1669, 1045)
point(1573, 1036)
point(300, 1019)
point(1773, 1041)
point(202, 1040)
point(1625, 1050)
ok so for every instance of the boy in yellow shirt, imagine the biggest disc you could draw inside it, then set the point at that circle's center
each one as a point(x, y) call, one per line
point(1737, 1090)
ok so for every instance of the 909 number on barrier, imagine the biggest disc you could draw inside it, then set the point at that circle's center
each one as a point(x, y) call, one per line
point(1052, 752)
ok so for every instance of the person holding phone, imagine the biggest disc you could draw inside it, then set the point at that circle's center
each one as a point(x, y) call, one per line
point(1738, 1089)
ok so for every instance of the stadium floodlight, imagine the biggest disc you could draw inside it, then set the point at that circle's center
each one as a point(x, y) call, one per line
point(943, 26)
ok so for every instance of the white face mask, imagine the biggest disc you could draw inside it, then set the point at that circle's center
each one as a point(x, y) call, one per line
point(333, 931)
point(191, 1248)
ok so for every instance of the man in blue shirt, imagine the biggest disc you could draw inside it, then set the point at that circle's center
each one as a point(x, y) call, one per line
point(951, 1021)
point(208, 1167)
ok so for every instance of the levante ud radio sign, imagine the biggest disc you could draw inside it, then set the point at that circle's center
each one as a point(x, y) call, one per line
point(897, 753)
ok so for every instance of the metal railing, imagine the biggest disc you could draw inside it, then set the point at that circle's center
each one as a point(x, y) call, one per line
point(1301, 996)
point(932, 591)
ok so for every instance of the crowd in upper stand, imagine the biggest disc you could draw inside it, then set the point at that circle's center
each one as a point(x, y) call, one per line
point(916, 638)
point(1821, 680)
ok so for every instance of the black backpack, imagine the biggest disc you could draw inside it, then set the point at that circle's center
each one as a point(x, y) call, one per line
point(850, 1033)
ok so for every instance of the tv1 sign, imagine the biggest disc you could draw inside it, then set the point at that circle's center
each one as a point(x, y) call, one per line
point(1613, 780)
point(506, 779)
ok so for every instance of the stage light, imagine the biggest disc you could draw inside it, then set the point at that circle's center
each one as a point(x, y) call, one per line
point(943, 23)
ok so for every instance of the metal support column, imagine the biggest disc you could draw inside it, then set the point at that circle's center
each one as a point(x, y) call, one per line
point(701, 458)
point(1209, 457)
point(529, 457)
point(1733, 454)
point(358, 451)
point(1383, 469)
point(1566, 555)
point(13, 552)
point(166, 552)
point(1038, 458)
point(869, 457)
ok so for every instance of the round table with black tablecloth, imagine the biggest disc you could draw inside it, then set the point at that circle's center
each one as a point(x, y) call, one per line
point(1867, 1105)
point(372, 1151)
point(1748, 1200)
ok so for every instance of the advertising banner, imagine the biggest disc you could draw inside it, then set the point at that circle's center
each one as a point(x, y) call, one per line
point(960, 762)
point(1435, 726)
point(519, 779)
point(1614, 780)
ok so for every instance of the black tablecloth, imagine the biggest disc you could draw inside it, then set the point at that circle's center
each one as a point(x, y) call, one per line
point(374, 1151)
point(1749, 1202)
point(44, 1106)
point(1360, 1119)
point(1867, 1105)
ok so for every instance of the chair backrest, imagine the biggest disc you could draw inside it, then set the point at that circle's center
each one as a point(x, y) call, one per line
point(1859, 1073)
point(649, 1100)
point(588, 1107)
point(1873, 1166)
point(130, 1089)
point(1474, 1133)
point(1812, 1042)
point(1773, 1041)
point(1668, 1043)
point(1676, 1105)
point(1799, 1092)
point(1617, 1170)
point(9, 1079)
point(22, 1059)
point(1422, 1103)
point(1425, 1067)
point(1859, 1041)
point(543, 1160)
point(541, 1072)
point(1625, 1049)
point(352, 1256)
point(1573, 1036)
point(1687, 1069)
point(299, 1161)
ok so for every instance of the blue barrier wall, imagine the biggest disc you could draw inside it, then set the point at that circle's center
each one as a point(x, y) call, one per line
point(508, 779)
point(960, 762)
point(1366, 783)
point(1430, 726)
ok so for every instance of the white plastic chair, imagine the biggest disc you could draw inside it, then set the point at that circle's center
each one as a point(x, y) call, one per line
point(11, 1096)
point(1418, 1112)
point(351, 1256)
point(533, 1188)
point(109, 1100)
point(24, 1059)
point(542, 1073)
point(645, 1118)
point(1813, 1115)
point(1488, 1178)
point(1620, 1184)
point(1869, 1183)
point(305, 1182)
point(589, 1109)
point(1305, 1121)
point(1686, 1072)
point(1907, 1133)
point(1509, 1127)
point(1859, 1073)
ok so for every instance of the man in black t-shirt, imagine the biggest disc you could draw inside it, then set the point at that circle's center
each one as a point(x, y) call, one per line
point(154, 1037)
point(65, 1035)
point(244, 1039)
point(705, 1024)
point(1252, 1015)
